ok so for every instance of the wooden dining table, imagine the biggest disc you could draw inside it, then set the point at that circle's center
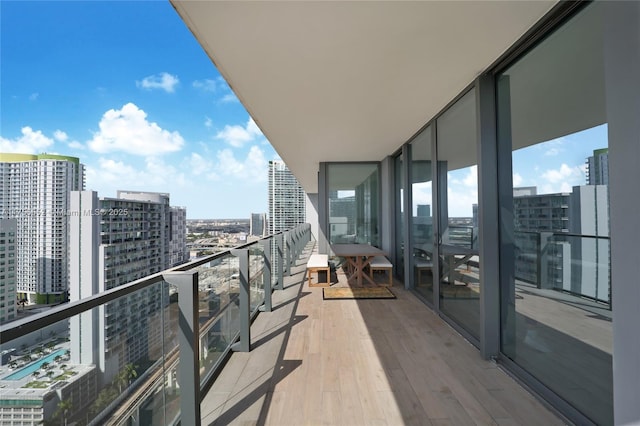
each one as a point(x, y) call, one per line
point(358, 257)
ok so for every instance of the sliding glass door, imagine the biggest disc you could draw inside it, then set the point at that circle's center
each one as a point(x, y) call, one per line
point(422, 230)
point(457, 183)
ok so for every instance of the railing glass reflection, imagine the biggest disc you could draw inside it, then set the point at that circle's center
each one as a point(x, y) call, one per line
point(115, 356)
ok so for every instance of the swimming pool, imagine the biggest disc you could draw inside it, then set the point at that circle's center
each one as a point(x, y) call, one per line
point(34, 366)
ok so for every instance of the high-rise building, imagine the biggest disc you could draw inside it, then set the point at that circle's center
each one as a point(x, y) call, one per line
point(258, 225)
point(115, 241)
point(8, 231)
point(598, 167)
point(286, 199)
point(178, 251)
point(34, 189)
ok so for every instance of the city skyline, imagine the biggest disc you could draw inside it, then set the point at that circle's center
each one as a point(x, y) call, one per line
point(143, 109)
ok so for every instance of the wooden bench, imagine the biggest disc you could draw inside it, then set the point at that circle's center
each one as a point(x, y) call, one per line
point(381, 263)
point(318, 263)
point(422, 265)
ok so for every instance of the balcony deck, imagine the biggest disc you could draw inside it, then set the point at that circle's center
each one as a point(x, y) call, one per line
point(362, 362)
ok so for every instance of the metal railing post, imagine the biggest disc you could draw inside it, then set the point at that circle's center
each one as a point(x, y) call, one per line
point(287, 242)
point(279, 262)
point(244, 345)
point(266, 274)
point(189, 341)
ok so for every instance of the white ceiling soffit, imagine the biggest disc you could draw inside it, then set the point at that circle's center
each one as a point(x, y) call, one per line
point(351, 81)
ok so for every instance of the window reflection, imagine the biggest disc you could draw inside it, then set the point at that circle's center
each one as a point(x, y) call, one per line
point(422, 231)
point(556, 311)
point(458, 214)
point(353, 203)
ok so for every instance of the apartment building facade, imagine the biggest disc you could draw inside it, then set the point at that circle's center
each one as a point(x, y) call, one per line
point(34, 189)
point(115, 241)
point(8, 232)
point(286, 198)
point(178, 251)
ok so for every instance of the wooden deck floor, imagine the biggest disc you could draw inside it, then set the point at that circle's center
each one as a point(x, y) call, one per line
point(362, 362)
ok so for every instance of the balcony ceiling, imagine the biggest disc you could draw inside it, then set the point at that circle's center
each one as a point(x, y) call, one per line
point(351, 81)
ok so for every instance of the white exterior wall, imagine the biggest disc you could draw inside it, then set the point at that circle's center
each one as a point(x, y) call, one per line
point(36, 193)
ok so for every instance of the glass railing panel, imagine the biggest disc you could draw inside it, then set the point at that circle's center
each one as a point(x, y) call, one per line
point(218, 284)
point(273, 247)
point(97, 365)
point(159, 392)
point(218, 287)
point(217, 336)
point(256, 276)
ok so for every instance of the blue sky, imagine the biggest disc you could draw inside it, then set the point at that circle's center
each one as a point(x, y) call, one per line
point(125, 87)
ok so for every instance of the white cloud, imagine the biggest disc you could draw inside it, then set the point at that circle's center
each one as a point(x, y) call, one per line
point(206, 85)
point(229, 98)
point(109, 175)
point(253, 168)
point(421, 194)
point(127, 130)
point(31, 142)
point(563, 173)
point(461, 201)
point(163, 81)
point(517, 179)
point(34, 96)
point(199, 165)
point(471, 179)
point(208, 122)
point(76, 145)
point(552, 152)
point(563, 179)
point(238, 136)
point(60, 136)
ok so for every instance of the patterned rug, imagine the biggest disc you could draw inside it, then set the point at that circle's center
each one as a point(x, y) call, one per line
point(338, 293)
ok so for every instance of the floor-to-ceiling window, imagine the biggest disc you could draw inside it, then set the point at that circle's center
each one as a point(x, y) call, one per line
point(422, 231)
point(457, 192)
point(555, 260)
point(353, 203)
point(399, 215)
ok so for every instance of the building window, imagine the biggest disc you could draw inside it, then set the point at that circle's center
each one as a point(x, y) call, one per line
point(556, 287)
point(353, 203)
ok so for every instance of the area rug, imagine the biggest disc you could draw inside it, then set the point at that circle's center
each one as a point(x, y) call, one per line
point(337, 293)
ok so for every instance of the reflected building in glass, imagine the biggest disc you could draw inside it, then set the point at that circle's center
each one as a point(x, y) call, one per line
point(258, 225)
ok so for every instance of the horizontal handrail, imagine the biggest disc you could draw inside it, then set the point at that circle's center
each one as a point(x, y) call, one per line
point(21, 327)
point(564, 234)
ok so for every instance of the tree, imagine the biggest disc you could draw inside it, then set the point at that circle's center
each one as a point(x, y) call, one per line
point(104, 398)
point(63, 410)
point(126, 375)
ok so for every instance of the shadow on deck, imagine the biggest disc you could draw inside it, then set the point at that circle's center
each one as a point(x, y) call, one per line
point(362, 362)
